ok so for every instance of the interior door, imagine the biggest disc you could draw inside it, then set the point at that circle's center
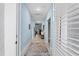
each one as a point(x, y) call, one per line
point(10, 29)
point(49, 31)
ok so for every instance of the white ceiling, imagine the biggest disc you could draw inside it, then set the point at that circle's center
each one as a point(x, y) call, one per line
point(38, 10)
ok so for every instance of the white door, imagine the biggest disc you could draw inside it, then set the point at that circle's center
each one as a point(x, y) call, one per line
point(10, 29)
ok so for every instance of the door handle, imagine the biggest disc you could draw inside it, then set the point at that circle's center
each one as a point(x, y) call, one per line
point(15, 42)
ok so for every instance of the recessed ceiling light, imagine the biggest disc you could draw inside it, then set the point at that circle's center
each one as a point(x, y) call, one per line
point(38, 9)
point(38, 21)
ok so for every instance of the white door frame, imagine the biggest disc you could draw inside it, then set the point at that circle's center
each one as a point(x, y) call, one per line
point(18, 30)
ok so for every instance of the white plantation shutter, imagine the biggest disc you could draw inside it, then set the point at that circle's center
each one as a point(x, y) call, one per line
point(73, 29)
point(69, 43)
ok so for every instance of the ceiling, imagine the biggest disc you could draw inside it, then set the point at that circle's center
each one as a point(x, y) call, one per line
point(38, 11)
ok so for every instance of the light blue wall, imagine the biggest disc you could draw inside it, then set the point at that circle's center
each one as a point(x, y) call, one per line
point(53, 27)
point(46, 24)
point(26, 34)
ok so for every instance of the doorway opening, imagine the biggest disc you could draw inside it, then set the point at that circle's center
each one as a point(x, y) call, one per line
point(49, 30)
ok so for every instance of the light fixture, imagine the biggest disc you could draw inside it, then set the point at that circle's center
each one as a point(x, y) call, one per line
point(38, 21)
point(38, 9)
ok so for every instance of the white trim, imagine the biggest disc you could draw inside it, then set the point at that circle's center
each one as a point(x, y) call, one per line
point(20, 51)
point(19, 32)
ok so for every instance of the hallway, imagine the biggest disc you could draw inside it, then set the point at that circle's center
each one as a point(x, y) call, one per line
point(39, 29)
point(57, 23)
point(37, 47)
point(35, 18)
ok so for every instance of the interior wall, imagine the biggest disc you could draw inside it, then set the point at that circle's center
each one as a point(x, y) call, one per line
point(53, 33)
point(1, 29)
point(26, 33)
point(52, 28)
point(46, 26)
